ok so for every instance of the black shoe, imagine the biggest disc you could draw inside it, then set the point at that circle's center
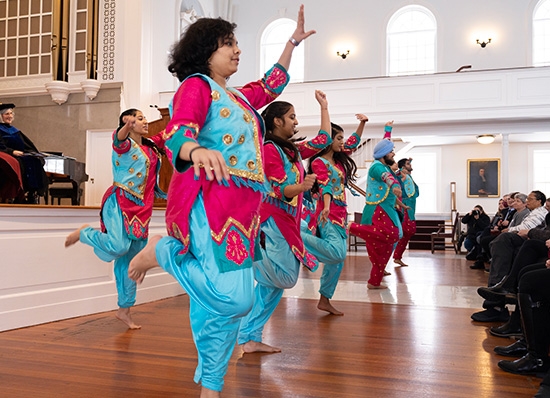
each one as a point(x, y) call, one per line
point(517, 349)
point(491, 304)
point(506, 330)
point(472, 255)
point(495, 294)
point(491, 315)
point(479, 264)
point(526, 365)
point(511, 298)
point(543, 392)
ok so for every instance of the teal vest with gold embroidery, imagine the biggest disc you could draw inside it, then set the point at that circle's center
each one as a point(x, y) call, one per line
point(241, 150)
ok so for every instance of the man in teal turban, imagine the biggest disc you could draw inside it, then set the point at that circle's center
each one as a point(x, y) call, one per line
point(380, 226)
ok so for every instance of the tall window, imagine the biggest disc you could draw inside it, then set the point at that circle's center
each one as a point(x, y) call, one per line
point(541, 34)
point(541, 170)
point(35, 38)
point(25, 37)
point(425, 175)
point(411, 40)
point(273, 40)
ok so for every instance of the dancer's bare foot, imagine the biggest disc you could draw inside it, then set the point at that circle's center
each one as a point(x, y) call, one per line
point(123, 314)
point(400, 262)
point(386, 273)
point(74, 236)
point(208, 393)
point(380, 286)
point(255, 346)
point(325, 305)
point(144, 260)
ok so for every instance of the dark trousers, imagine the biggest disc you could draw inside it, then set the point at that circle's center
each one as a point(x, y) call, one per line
point(531, 252)
point(536, 285)
point(503, 252)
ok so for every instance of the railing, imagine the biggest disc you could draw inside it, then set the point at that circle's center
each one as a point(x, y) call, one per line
point(362, 192)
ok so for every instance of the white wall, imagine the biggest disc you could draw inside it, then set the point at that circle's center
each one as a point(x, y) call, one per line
point(42, 281)
point(359, 25)
point(363, 23)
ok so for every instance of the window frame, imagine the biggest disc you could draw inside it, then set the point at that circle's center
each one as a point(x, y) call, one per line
point(392, 36)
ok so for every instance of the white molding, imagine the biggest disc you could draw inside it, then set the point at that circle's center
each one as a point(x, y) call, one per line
point(43, 281)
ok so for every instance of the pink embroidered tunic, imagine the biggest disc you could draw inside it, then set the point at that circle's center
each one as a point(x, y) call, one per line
point(332, 180)
point(135, 173)
point(224, 120)
point(287, 213)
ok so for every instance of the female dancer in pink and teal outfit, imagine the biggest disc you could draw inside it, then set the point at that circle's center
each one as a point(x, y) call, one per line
point(215, 140)
point(282, 248)
point(127, 205)
point(334, 168)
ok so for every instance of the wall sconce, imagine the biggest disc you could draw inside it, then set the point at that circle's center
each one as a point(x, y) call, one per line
point(485, 139)
point(342, 54)
point(483, 44)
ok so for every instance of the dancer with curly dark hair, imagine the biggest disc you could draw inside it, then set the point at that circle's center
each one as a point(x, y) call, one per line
point(215, 141)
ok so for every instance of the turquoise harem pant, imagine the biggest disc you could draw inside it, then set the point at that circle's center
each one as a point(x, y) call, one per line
point(278, 270)
point(330, 249)
point(115, 245)
point(217, 301)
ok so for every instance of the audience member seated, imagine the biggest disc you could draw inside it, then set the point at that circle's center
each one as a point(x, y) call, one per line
point(533, 303)
point(16, 144)
point(477, 221)
point(532, 255)
point(502, 217)
point(503, 251)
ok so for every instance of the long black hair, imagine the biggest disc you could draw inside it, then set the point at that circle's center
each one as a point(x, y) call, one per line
point(350, 168)
point(278, 109)
point(145, 141)
point(197, 44)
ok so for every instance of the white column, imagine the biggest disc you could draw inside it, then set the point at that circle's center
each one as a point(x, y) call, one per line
point(505, 164)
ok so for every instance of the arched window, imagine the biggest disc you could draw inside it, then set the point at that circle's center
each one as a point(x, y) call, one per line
point(541, 34)
point(411, 40)
point(190, 11)
point(273, 41)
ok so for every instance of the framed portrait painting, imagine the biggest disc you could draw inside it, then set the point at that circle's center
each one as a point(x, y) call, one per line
point(483, 178)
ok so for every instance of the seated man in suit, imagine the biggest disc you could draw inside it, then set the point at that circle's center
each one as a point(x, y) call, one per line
point(504, 249)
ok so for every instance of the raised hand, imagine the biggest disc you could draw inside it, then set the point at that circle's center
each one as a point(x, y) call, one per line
point(361, 117)
point(300, 33)
point(321, 98)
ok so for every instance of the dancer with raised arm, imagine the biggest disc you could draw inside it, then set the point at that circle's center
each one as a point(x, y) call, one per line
point(282, 248)
point(127, 205)
point(215, 140)
point(334, 168)
point(380, 226)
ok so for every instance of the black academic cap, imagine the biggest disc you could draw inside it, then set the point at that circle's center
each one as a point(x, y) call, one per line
point(6, 106)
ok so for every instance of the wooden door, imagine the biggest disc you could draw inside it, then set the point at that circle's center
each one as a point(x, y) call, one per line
point(166, 169)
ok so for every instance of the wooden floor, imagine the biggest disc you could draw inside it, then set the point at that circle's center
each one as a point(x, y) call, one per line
point(375, 350)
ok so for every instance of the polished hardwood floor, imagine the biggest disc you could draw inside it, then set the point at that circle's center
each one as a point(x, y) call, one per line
point(415, 339)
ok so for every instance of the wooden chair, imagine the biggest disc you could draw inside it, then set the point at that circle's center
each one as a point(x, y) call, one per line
point(440, 238)
point(354, 241)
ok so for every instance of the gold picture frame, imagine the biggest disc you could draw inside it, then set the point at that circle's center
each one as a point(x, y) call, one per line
point(483, 178)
